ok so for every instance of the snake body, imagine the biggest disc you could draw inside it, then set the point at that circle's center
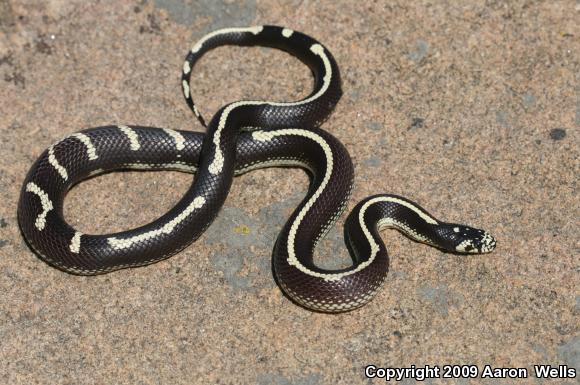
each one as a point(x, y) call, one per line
point(241, 136)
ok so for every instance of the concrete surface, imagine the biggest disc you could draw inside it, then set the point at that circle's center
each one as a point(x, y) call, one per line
point(471, 108)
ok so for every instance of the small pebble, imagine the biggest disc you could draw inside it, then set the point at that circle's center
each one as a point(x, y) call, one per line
point(558, 133)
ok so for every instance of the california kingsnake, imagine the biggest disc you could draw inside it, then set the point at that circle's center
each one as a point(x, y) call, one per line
point(241, 136)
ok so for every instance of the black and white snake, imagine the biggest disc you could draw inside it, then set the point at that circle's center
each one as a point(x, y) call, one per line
point(242, 136)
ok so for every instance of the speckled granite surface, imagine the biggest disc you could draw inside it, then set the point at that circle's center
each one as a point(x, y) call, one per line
point(471, 108)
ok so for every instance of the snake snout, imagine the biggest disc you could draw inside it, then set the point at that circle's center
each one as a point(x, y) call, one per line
point(474, 241)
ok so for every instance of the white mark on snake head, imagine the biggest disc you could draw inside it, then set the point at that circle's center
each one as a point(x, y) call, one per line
point(474, 241)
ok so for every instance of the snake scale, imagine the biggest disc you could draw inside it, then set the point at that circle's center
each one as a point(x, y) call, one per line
point(241, 136)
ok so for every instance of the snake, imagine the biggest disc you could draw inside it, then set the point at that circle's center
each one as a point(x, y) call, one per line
point(242, 136)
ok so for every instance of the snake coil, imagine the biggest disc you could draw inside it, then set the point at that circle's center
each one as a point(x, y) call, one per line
point(281, 134)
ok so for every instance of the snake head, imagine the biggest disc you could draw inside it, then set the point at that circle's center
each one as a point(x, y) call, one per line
point(465, 239)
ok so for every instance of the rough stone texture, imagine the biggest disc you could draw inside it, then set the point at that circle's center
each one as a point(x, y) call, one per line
point(471, 108)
